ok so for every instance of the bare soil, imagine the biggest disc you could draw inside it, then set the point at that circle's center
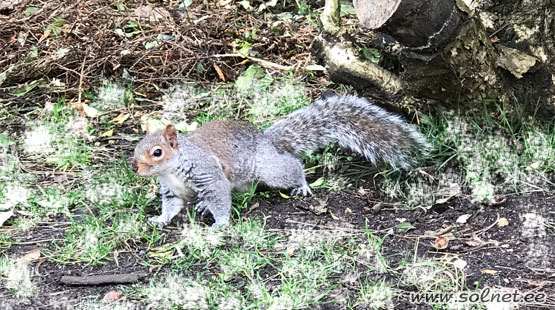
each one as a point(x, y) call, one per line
point(519, 255)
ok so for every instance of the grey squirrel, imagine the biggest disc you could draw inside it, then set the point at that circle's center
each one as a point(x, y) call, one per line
point(225, 155)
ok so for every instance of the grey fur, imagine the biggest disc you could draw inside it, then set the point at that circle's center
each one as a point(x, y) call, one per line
point(203, 158)
point(353, 123)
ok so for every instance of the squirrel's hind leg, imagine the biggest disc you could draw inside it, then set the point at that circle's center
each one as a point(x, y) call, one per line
point(283, 171)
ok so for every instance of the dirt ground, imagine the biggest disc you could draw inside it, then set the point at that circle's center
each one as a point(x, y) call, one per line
point(519, 255)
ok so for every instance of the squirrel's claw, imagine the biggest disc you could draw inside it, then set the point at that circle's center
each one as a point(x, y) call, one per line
point(301, 191)
point(201, 208)
point(156, 221)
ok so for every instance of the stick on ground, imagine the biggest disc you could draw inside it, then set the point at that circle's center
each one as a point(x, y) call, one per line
point(104, 279)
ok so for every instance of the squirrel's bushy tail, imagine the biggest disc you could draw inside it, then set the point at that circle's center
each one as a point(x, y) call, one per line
point(353, 123)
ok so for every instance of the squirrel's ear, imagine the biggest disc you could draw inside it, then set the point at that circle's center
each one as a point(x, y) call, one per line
point(148, 128)
point(170, 134)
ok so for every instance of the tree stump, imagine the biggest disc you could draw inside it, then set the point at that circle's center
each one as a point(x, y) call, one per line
point(431, 48)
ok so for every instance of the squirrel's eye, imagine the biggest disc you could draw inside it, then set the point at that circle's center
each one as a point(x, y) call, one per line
point(157, 153)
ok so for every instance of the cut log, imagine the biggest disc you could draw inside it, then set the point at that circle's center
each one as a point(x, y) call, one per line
point(440, 49)
point(434, 48)
point(416, 24)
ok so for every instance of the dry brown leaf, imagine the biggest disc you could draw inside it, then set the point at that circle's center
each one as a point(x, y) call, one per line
point(121, 118)
point(497, 200)
point(220, 73)
point(441, 243)
point(254, 206)
point(112, 296)
point(44, 36)
point(152, 14)
point(31, 256)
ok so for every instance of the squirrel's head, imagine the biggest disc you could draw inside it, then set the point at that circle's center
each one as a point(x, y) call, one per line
point(154, 151)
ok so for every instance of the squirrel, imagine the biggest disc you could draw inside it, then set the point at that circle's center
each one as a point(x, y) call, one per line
point(225, 155)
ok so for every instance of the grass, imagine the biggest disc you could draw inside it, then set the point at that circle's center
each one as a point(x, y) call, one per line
point(485, 152)
point(246, 265)
point(58, 167)
point(16, 277)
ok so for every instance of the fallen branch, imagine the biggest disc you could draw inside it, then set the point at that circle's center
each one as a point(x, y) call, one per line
point(104, 279)
point(263, 63)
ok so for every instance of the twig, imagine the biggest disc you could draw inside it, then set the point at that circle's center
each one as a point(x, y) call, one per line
point(263, 63)
point(104, 279)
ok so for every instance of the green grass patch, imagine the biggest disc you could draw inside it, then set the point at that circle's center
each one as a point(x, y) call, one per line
point(481, 153)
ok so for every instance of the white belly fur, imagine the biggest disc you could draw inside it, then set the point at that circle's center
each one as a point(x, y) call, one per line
point(183, 190)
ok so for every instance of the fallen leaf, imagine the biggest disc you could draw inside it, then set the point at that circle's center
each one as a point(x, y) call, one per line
point(152, 268)
point(315, 68)
point(442, 200)
point(460, 264)
point(537, 282)
point(283, 195)
point(497, 200)
point(321, 208)
point(45, 35)
point(463, 218)
point(319, 182)
point(219, 71)
point(489, 271)
point(32, 255)
point(279, 246)
point(502, 222)
point(121, 118)
point(153, 125)
point(223, 2)
point(254, 206)
point(404, 227)
point(378, 207)
point(290, 252)
point(441, 243)
point(454, 189)
point(152, 14)
point(184, 126)
point(112, 296)
point(107, 133)
point(474, 243)
point(90, 111)
point(534, 166)
point(30, 10)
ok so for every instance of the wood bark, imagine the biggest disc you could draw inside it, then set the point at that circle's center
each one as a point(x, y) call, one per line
point(435, 49)
point(525, 34)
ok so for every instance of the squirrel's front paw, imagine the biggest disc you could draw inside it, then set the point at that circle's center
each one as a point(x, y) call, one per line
point(202, 209)
point(301, 191)
point(157, 221)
